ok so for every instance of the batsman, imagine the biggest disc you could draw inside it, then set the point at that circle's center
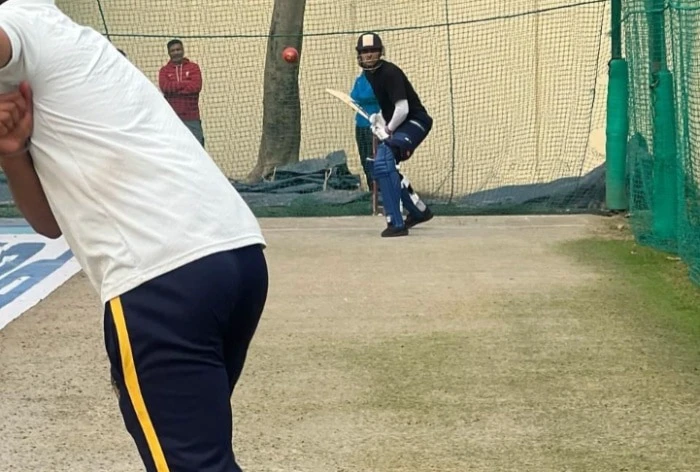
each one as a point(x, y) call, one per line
point(401, 126)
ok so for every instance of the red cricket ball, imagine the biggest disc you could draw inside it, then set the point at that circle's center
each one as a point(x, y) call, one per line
point(290, 55)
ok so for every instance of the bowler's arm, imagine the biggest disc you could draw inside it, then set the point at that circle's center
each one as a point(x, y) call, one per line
point(5, 48)
point(22, 178)
point(29, 195)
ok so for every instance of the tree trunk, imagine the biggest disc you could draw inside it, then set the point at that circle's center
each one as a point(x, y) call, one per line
point(281, 130)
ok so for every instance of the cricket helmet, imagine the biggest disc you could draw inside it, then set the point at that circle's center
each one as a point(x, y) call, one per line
point(369, 43)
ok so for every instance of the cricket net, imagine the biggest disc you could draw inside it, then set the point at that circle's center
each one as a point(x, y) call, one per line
point(517, 90)
point(662, 44)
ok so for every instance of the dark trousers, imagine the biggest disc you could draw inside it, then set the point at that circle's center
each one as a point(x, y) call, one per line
point(363, 138)
point(177, 345)
point(409, 135)
point(195, 126)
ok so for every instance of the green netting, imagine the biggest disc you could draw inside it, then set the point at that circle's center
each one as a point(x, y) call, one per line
point(517, 90)
point(662, 50)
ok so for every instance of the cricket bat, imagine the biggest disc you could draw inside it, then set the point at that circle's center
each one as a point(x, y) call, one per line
point(347, 99)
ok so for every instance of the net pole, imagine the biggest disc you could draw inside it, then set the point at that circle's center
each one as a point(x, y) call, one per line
point(617, 123)
point(538, 97)
point(664, 198)
point(688, 183)
point(453, 138)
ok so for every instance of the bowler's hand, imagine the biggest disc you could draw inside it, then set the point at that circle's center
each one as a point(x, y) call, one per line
point(12, 107)
point(16, 119)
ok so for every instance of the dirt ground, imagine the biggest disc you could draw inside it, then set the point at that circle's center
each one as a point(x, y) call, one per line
point(472, 345)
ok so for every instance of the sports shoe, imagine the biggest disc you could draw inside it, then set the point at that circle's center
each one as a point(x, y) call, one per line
point(393, 231)
point(411, 221)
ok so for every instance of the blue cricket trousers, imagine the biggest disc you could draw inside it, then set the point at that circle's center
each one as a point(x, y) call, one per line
point(177, 345)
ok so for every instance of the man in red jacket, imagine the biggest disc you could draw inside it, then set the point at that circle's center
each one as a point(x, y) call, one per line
point(180, 81)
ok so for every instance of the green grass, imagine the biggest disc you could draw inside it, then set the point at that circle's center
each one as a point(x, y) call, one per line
point(483, 372)
point(554, 377)
point(655, 282)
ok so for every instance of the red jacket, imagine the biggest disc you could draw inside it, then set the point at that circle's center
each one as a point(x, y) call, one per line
point(181, 84)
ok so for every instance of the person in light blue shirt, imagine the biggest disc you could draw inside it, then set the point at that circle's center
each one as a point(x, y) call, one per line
point(363, 94)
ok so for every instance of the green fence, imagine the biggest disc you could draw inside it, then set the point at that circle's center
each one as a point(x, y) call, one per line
point(661, 40)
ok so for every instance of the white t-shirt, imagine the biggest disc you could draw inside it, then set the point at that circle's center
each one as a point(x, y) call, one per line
point(133, 191)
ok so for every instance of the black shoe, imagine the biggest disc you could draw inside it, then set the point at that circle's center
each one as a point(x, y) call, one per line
point(393, 231)
point(411, 221)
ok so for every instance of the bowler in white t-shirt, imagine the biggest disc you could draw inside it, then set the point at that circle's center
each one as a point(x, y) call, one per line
point(92, 151)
